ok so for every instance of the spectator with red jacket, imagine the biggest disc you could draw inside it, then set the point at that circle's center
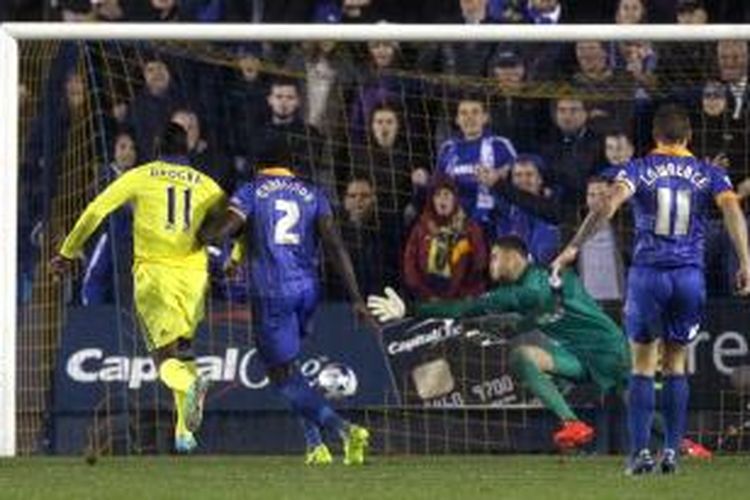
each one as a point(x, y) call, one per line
point(446, 253)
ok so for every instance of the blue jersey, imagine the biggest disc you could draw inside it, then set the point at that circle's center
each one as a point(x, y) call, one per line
point(281, 212)
point(673, 193)
point(460, 158)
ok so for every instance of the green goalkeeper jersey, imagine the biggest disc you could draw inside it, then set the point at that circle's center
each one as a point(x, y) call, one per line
point(573, 319)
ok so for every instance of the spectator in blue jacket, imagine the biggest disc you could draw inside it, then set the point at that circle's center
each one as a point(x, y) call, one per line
point(527, 209)
point(475, 146)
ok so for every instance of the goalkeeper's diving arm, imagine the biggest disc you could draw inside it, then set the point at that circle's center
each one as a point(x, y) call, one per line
point(391, 307)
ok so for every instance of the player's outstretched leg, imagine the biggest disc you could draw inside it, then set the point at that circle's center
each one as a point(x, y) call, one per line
point(307, 402)
point(533, 365)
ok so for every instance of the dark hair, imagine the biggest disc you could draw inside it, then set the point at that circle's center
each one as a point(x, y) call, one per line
point(284, 81)
point(612, 130)
point(173, 140)
point(359, 177)
point(597, 179)
point(275, 149)
point(512, 242)
point(671, 124)
point(472, 96)
point(385, 106)
point(689, 6)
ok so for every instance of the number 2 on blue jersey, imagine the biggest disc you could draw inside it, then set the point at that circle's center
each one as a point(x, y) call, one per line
point(283, 233)
point(664, 202)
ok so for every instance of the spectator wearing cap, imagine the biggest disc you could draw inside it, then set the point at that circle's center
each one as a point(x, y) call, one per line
point(600, 261)
point(572, 151)
point(511, 109)
point(527, 209)
point(717, 136)
point(475, 146)
point(446, 253)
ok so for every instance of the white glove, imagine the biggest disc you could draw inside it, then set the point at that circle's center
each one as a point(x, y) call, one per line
point(387, 308)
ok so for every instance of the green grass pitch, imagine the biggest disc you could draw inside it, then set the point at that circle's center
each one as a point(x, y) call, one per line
point(385, 478)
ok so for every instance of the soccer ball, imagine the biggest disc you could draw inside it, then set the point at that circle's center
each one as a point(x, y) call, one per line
point(337, 381)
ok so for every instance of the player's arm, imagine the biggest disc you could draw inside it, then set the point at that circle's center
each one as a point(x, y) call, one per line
point(221, 224)
point(500, 300)
point(113, 197)
point(621, 192)
point(339, 258)
point(734, 221)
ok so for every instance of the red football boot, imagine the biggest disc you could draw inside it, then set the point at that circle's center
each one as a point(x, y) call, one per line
point(695, 450)
point(574, 433)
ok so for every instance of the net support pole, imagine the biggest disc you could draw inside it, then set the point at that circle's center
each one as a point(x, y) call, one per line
point(9, 65)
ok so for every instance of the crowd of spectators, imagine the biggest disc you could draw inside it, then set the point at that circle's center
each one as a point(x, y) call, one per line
point(430, 151)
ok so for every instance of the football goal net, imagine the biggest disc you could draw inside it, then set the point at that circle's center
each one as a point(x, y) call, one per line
point(384, 118)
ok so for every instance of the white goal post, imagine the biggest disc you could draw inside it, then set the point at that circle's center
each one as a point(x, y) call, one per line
point(11, 33)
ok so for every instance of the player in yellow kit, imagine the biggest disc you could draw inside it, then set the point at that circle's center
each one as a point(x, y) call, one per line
point(170, 201)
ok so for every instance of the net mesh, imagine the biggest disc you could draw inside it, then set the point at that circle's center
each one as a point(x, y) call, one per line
point(370, 123)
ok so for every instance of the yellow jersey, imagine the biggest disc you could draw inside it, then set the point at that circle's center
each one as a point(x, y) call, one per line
point(169, 202)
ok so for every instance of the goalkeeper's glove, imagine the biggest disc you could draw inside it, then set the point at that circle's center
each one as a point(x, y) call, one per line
point(387, 308)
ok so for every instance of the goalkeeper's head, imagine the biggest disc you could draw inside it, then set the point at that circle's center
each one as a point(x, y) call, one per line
point(509, 259)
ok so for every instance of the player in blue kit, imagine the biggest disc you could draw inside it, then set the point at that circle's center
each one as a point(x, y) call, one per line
point(285, 218)
point(671, 193)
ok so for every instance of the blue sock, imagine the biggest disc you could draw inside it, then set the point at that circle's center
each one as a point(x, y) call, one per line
point(308, 403)
point(640, 411)
point(675, 404)
point(311, 431)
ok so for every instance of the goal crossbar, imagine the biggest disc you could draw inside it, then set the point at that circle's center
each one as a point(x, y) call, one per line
point(370, 32)
point(11, 33)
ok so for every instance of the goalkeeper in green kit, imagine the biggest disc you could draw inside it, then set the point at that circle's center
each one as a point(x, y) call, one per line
point(581, 343)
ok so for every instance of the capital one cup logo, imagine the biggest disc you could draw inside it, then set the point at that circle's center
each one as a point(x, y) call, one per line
point(92, 365)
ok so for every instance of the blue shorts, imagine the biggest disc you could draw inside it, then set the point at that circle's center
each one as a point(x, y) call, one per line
point(280, 324)
point(664, 303)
